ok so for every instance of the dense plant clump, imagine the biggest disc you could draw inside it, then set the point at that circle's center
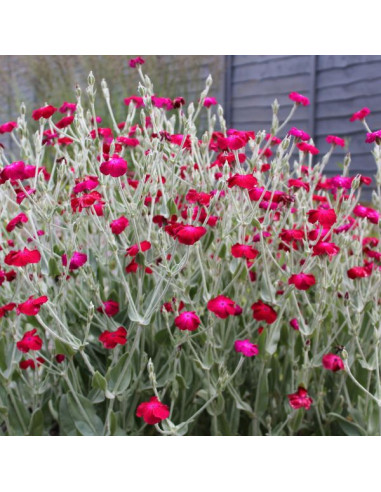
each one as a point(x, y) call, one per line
point(155, 278)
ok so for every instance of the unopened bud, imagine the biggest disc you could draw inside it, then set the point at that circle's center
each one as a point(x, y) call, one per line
point(209, 81)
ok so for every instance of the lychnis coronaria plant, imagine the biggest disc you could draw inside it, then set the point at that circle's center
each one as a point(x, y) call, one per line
point(166, 274)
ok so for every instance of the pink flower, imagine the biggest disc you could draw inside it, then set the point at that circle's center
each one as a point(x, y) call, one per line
point(137, 100)
point(88, 184)
point(246, 347)
point(325, 217)
point(31, 307)
point(23, 257)
point(44, 112)
point(16, 170)
point(300, 399)
point(244, 251)
point(16, 222)
point(305, 147)
point(222, 306)
point(372, 215)
point(7, 127)
point(29, 341)
point(332, 362)
point(295, 132)
point(110, 308)
point(77, 260)
point(119, 225)
point(152, 411)
point(373, 137)
point(115, 167)
point(210, 101)
point(110, 339)
point(299, 99)
point(294, 324)
point(187, 320)
point(302, 281)
point(264, 312)
point(360, 115)
point(332, 139)
point(136, 61)
point(162, 102)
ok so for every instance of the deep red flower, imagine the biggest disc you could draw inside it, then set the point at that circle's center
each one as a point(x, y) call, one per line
point(246, 181)
point(360, 271)
point(222, 306)
point(119, 225)
point(134, 249)
point(194, 196)
point(30, 341)
point(23, 257)
point(244, 251)
point(187, 320)
point(300, 399)
point(64, 122)
point(60, 358)
point(152, 411)
point(263, 312)
point(333, 362)
point(111, 339)
point(16, 222)
point(31, 307)
point(111, 308)
point(299, 98)
point(298, 183)
point(294, 324)
point(4, 310)
point(185, 234)
point(115, 167)
point(178, 102)
point(246, 348)
point(77, 260)
point(44, 112)
point(29, 363)
point(324, 248)
point(325, 217)
point(302, 281)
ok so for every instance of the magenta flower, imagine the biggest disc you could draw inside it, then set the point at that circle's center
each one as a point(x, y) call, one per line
point(152, 411)
point(115, 167)
point(360, 115)
point(300, 399)
point(136, 61)
point(210, 101)
point(110, 308)
point(333, 362)
point(332, 139)
point(187, 320)
point(246, 347)
point(77, 260)
point(302, 281)
point(299, 98)
point(222, 307)
point(119, 225)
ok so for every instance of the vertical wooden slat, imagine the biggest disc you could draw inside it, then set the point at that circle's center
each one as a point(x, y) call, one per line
point(312, 91)
point(228, 89)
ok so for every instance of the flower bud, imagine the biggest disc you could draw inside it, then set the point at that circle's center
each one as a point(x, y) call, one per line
point(209, 81)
